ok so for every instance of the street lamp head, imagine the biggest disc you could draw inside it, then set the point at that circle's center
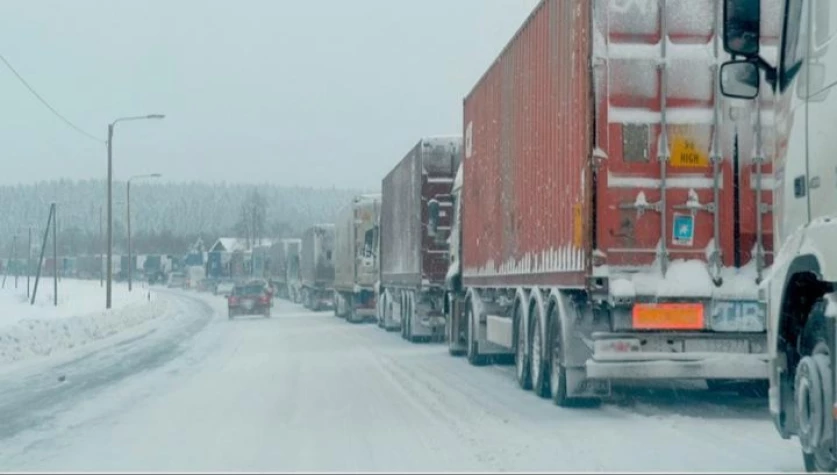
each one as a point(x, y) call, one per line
point(156, 116)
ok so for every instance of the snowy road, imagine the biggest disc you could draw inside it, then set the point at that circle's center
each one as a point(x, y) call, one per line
point(305, 391)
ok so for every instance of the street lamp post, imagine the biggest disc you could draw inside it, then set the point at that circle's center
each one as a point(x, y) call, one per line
point(109, 264)
point(128, 203)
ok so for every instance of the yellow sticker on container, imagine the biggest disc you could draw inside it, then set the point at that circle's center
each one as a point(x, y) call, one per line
point(578, 227)
point(685, 153)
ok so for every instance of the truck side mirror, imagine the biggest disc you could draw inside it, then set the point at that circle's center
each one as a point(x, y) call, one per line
point(810, 83)
point(742, 19)
point(740, 79)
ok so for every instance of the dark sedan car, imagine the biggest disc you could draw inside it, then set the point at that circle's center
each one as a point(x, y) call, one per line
point(252, 298)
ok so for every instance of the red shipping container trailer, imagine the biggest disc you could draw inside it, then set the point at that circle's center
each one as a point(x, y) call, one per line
point(413, 263)
point(610, 221)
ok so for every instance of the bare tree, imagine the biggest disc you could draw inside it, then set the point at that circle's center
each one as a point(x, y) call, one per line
point(253, 216)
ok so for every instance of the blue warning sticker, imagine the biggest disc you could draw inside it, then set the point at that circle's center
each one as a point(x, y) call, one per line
point(683, 230)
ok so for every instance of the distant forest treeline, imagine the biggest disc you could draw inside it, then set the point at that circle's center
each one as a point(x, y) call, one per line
point(165, 217)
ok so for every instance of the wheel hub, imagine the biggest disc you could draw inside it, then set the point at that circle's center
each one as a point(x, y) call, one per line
point(813, 401)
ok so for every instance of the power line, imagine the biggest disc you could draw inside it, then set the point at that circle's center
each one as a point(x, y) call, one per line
point(48, 106)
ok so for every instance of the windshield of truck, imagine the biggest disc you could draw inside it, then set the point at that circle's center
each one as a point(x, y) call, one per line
point(795, 41)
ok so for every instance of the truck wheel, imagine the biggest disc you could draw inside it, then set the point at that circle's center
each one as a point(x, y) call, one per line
point(538, 357)
point(380, 305)
point(409, 319)
point(452, 325)
point(402, 310)
point(267, 313)
point(557, 368)
point(351, 314)
point(230, 314)
point(521, 356)
point(473, 355)
point(813, 386)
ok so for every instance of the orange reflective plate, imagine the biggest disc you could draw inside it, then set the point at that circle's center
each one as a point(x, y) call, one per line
point(668, 316)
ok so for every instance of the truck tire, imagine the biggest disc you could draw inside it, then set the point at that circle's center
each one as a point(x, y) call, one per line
point(351, 312)
point(380, 307)
point(557, 369)
point(453, 326)
point(230, 314)
point(521, 355)
point(388, 316)
point(409, 319)
point(537, 351)
point(403, 310)
point(473, 353)
point(813, 383)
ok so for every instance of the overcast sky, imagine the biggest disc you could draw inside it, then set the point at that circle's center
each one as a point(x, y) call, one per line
point(320, 93)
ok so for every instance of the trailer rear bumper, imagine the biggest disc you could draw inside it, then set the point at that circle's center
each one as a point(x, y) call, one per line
point(684, 366)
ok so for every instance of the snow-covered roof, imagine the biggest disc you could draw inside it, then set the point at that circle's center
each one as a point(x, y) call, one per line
point(237, 244)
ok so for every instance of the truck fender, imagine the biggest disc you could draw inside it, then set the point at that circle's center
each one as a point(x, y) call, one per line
point(474, 299)
point(521, 299)
point(537, 307)
point(576, 352)
point(782, 329)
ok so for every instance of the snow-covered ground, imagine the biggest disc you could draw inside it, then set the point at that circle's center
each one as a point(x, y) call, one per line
point(309, 392)
point(43, 329)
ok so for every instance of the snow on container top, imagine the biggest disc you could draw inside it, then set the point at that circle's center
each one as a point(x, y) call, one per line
point(408, 255)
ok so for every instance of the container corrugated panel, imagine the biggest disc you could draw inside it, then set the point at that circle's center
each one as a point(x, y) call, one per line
point(527, 195)
point(277, 261)
point(563, 146)
point(643, 107)
point(408, 254)
point(344, 249)
point(400, 226)
point(316, 259)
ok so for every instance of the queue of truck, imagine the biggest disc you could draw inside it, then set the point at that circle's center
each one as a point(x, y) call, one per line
point(642, 190)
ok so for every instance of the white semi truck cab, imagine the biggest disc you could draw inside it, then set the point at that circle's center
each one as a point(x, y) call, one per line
point(795, 80)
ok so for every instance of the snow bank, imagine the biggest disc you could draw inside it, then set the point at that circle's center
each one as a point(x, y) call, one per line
point(28, 331)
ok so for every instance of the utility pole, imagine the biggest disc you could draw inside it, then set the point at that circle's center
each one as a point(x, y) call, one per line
point(28, 261)
point(109, 264)
point(9, 261)
point(55, 254)
point(130, 244)
point(41, 259)
point(14, 252)
point(101, 250)
point(130, 256)
point(110, 198)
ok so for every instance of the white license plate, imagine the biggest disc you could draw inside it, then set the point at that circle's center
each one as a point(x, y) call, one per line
point(718, 346)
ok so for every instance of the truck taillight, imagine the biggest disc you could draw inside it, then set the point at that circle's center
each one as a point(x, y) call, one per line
point(264, 299)
point(233, 301)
